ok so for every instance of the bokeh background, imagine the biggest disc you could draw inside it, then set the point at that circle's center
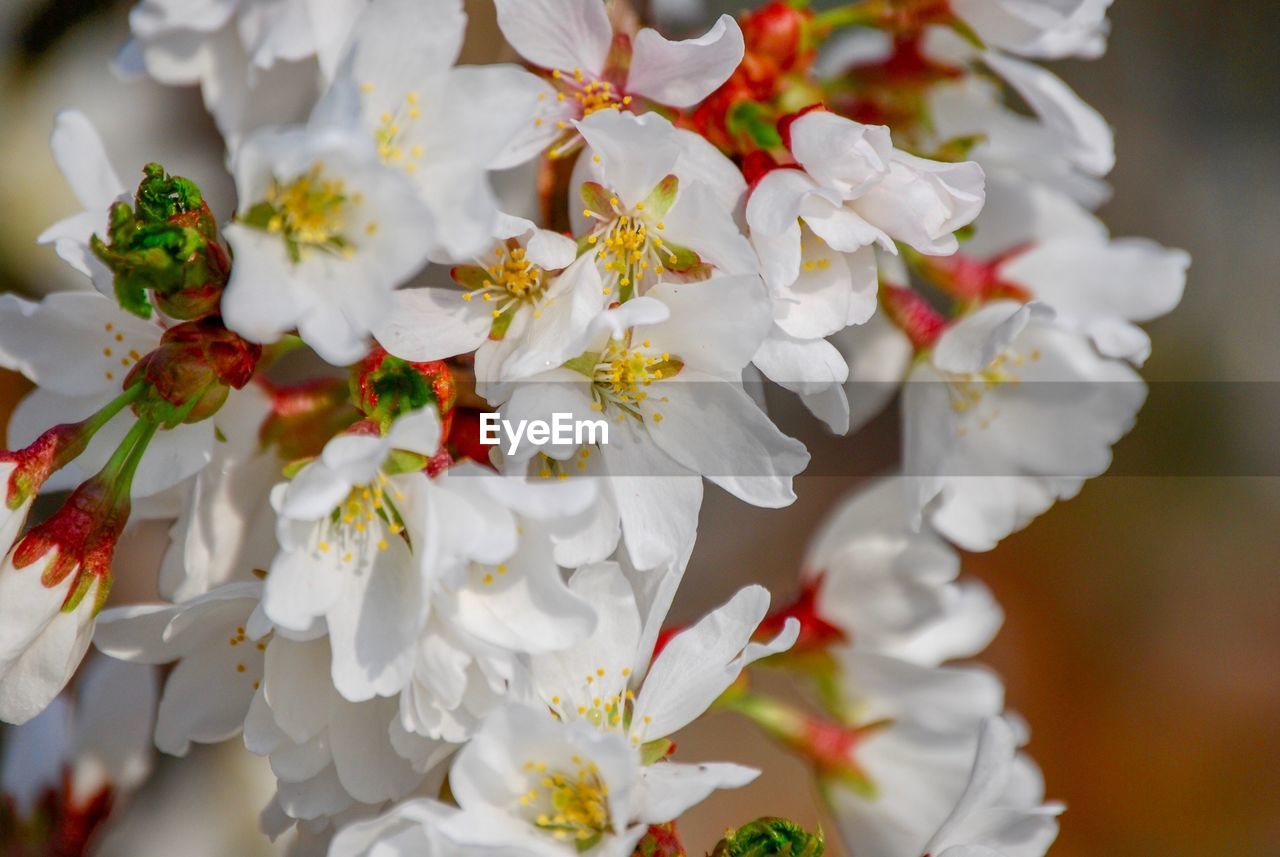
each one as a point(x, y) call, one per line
point(1143, 634)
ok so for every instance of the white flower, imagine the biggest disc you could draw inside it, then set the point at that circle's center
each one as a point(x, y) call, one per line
point(607, 679)
point(235, 672)
point(571, 774)
point(355, 543)
point(411, 829)
point(528, 306)
point(100, 742)
point(78, 348)
point(853, 190)
point(1009, 413)
point(1000, 812)
point(429, 589)
point(814, 228)
point(504, 600)
point(442, 128)
point(595, 71)
point(80, 155)
point(1042, 29)
point(915, 729)
point(670, 387)
point(218, 642)
point(1066, 144)
point(324, 233)
point(328, 754)
point(1044, 244)
point(53, 582)
point(250, 57)
point(659, 204)
point(890, 588)
point(540, 786)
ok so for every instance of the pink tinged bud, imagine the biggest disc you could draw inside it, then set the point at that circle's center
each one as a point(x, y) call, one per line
point(973, 279)
point(912, 314)
point(53, 582)
point(23, 473)
point(45, 628)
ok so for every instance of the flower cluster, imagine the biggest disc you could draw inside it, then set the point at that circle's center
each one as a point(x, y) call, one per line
point(447, 648)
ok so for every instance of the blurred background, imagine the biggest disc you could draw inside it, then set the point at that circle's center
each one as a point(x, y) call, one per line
point(1142, 641)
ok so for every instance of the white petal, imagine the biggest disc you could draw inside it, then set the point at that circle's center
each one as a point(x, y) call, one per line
point(669, 789)
point(83, 160)
point(714, 428)
point(367, 765)
point(971, 345)
point(636, 153)
point(1090, 141)
point(67, 342)
point(207, 695)
point(432, 324)
point(680, 74)
point(558, 34)
point(699, 663)
point(701, 333)
point(841, 153)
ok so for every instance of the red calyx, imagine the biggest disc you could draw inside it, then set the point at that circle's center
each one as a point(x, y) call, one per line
point(913, 315)
point(198, 361)
point(464, 437)
point(829, 746)
point(84, 533)
point(815, 632)
point(661, 840)
point(46, 454)
point(975, 279)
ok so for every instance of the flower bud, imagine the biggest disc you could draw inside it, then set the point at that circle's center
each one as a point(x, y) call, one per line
point(770, 837)
point(384, 387)
point(190, 374)
point(912, 314)
point(660, 840)
point(780, 32)
point(165, 249)
point(53, 582)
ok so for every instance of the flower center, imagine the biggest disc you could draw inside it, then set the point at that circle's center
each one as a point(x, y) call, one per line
point(590, 95)
point(309, 211)
point(598, 95)
point(603, 699)
point(628, 251)
point(392, 130)
point(511, 280)
point(366, 519)
point(621, 375)
point(968, 390)
point(571, 806)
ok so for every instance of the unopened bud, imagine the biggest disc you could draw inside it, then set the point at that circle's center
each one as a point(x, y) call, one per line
point(165, 249)
point(778, 31)
point(385, 387)
point(770, 837)
point(190, 373)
